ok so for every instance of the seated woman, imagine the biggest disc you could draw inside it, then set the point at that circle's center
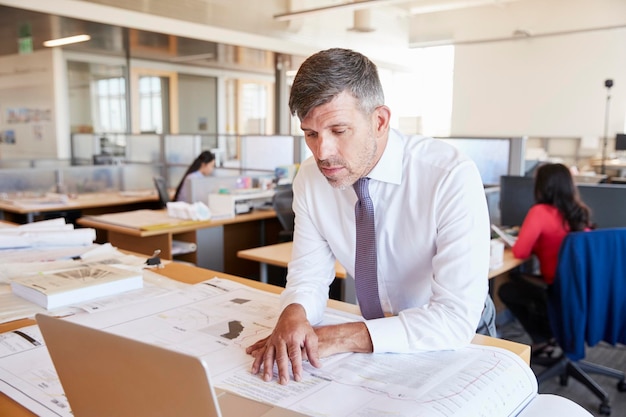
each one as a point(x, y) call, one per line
point(202, 166)
point(557, 211)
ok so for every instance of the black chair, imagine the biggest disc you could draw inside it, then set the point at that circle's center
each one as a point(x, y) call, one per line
point(161, 186)
point(587, 305)
point(282, 204)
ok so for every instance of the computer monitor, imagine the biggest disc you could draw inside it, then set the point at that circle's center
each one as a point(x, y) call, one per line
point(516, 198)
point(494, 156)
point(620, 142)
point(606, 201)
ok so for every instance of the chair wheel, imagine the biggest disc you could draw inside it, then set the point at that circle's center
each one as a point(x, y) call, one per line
point(605, 409)
point(621, 386)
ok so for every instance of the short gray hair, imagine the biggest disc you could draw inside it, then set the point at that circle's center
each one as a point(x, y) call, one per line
point(328, 73)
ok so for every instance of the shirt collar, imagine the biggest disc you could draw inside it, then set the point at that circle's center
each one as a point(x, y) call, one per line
point(389, 166)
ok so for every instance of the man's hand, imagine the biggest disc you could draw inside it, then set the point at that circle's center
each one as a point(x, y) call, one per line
point(292, 338)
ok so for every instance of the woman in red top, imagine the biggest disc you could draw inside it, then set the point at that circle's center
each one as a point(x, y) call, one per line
point(557, 211)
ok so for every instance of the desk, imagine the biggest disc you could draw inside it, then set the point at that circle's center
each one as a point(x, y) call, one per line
point(192, 275)
point(280, 254)
point(87, 203)
point(509, 261)
point(217, 240)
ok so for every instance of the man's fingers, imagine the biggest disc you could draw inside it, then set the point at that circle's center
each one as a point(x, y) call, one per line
point(282, 359)
point(312, 354)
point(295, 357)
point(257, 345)
point(258, 355)
point(268, 363)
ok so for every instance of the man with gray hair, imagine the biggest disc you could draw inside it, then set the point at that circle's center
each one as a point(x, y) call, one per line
point(405, 215)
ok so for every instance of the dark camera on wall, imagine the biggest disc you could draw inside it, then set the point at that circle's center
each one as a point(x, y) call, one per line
point(608, 83)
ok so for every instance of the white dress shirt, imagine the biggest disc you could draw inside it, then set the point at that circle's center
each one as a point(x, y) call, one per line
point(432, 235)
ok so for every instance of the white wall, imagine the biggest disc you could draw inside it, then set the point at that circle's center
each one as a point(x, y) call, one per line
point(552, 86)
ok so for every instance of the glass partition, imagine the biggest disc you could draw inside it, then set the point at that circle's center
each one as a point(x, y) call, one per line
point(182, 149)
point(137, 177)
point(91, 179)
point(143, 148)
point(28, 181)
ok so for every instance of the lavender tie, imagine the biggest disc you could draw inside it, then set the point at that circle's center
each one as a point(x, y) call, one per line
point(365, 264)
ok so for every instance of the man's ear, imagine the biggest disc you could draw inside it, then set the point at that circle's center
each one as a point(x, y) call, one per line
point(381, 117)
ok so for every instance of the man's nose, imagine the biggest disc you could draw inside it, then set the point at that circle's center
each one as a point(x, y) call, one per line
point(326, 146)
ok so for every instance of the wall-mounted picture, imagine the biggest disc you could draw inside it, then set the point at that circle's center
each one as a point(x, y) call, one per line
point(8, 137)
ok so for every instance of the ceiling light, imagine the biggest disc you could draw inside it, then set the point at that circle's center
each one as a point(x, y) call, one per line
point(66, 41)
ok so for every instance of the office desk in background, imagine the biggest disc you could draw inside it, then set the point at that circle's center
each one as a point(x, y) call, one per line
point(217, 241)
point(279, 254)
point(192, 275)
point(26, 209)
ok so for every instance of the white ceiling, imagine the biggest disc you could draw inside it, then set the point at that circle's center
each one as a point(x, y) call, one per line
point(384, 29)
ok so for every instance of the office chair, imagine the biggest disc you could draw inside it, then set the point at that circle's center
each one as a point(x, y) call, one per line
point(161, 186)
point(282, 204)
point(587, 305)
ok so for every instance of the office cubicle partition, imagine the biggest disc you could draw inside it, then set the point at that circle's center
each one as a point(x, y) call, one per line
point(28, 181)
point(606, 201)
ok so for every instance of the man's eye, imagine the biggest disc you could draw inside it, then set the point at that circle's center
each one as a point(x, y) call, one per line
point(340, 132)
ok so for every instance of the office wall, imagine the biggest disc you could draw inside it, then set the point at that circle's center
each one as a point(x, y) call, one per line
point(27, 106)
point(198, 96)
point(545, 86)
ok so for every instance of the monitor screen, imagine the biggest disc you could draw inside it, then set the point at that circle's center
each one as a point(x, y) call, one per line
point(620, 142)
point(491, 156)
point(516, 198)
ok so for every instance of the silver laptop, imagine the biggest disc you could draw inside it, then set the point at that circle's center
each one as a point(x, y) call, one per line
point(104, 374)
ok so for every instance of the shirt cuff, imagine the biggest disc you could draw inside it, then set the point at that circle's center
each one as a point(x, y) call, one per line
point(388, 335)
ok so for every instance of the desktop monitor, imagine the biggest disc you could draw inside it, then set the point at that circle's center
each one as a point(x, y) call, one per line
point(620, 142)
point(606, 201)
point(200, 187)
point(516, 198)
point(494, 156)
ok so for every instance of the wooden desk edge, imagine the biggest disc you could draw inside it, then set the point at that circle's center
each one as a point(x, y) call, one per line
point(279, 254)
point(94, 222)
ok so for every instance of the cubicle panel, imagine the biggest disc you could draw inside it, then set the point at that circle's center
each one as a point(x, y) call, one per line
point(91, 179)
point(143, 148)
point(182, 149)
point(209, 142)
point(606, 201)
point(51, 163)
point(28, 181)
point(266, 152)
point(136, 177)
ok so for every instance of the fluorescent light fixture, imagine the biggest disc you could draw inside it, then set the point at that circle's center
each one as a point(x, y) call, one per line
point(66, 41)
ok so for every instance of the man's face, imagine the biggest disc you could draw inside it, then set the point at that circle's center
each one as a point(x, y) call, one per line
point(343, 140)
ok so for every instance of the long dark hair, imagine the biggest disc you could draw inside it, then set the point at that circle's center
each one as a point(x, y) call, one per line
point(554, 185)
point(204, 158)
